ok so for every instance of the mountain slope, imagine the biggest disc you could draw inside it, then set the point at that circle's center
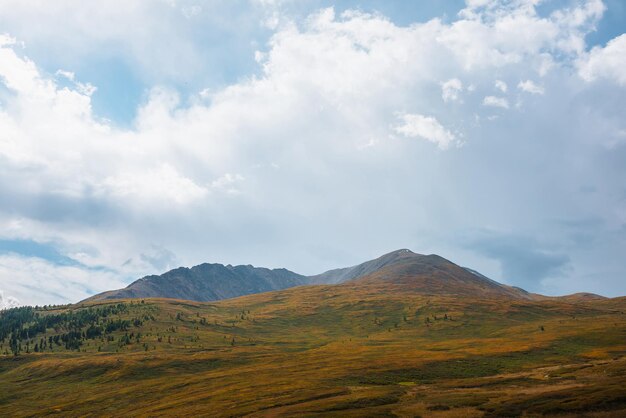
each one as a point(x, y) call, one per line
point(349, 273)
point(428, 274)
point(320, 351)
point(207, 282)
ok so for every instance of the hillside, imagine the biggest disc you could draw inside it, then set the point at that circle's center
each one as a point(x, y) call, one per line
point(207, 282)
point(426, 274)
point(364, 348)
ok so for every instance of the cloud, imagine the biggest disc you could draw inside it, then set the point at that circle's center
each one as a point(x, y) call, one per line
point(160, 183)
point(37, 281)
point(494, 101)
point(67, 74)
point(605, 62)
point(308, 130)
point(8, 302)
point(158, 258)
point(450, 90)
point(530, 87)
point(84, 88)
point(227, 183)
point(28, 248)
point(522, 260)
point(129, 30)
point(5, 40)
point(501, 33)
point(426, 127)
point(501, 85)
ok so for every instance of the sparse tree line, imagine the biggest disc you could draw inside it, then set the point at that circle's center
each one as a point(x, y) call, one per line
point(435, 318)
point(21, 328)
point(429, 318)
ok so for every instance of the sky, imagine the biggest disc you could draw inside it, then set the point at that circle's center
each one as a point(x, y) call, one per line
point(140, 136)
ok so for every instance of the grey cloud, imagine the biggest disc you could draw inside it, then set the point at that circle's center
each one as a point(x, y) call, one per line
point(523, 262)
point(588, 189)
point(160, 258)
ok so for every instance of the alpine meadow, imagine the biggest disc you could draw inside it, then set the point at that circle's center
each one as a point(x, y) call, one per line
point(202, 201)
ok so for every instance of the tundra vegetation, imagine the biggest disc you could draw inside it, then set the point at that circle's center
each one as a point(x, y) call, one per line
point(345, 350)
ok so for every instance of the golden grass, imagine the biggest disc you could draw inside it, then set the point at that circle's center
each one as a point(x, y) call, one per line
point(337, 351)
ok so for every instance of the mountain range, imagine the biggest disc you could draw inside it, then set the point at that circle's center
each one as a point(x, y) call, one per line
point(403, 335)
point(427, 274)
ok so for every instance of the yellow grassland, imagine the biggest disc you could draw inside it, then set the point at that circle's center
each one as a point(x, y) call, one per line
point(368, 350)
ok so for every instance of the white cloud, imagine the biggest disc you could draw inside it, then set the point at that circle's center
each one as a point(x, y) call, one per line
point(5, 39)
point(494, 101)
point(322, 105)
point(606, 62)
point(450, 90)
point(191, 11)
point(37, 281)
point(530, 87)
point(132, 30)
point(426, 127)
point(499, 33)
point(66, 74)
point(8, 302)
point(21, 75)
point(161, 183)
point(227, 183)
point(83, 88)
point(501, 85)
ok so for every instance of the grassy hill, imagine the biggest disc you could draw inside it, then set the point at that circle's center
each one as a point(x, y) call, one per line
point(357, 349)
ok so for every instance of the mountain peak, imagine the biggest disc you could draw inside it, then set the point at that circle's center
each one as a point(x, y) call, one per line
point(402, 251)
point(430, 274)
point(342, 275)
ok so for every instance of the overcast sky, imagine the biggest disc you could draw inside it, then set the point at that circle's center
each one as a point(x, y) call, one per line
point(140, 136)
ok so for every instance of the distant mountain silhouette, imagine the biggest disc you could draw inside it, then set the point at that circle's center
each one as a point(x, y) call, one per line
point(207, 282)
point(400, 269)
